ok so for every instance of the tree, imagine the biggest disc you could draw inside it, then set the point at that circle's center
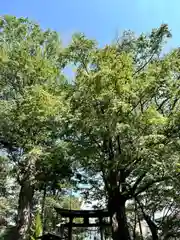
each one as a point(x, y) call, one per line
point(30, 73)
point(122, 121)
point(116, 124)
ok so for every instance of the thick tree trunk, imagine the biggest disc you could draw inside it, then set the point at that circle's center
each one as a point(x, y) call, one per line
point(20, 231)
point(24, 209)
point(120, 230)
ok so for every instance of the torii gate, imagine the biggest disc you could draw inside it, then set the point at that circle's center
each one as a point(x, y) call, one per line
point(85, 215)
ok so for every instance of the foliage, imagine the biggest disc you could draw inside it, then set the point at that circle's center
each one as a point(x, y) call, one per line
point(124, 113)
point(37, 227)
point(8, 194)
point(114, 128)
point(31, 106)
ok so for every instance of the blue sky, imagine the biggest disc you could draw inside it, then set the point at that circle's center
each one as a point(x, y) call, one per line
point(99, 19)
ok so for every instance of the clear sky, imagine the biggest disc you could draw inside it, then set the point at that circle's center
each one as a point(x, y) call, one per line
point(99, 19)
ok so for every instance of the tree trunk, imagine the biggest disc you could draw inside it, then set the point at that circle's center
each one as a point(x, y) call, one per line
point(24, 209)
point(140, 228)
point(120, 230)
point(152, 227)
point(20, 231)
point(42, 208)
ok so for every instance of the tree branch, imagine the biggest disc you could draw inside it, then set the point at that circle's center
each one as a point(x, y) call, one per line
point(131, 166)
point(144, 65)
point(105, 181)
point(119, 145)
point(150, 183)
point(153, 227)
point(161, 105)
point(139, 179)
point(165, 215)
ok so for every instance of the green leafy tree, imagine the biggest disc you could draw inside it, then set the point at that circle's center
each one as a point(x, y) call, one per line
point(30, 73)
point(124, 117)
point(117, 124)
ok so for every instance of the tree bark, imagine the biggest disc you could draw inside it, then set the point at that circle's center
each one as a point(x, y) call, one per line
point(152, 226)
point(120, 230)
point(135, 221)
point(140, 228)
point(24, 209)
point(24, 216)
point(42, 208)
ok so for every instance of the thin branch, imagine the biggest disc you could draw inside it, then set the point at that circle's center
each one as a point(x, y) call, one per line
point(111, 148)
point(174, 103)
point(161, 105)
point(165, 215)
point(135, 221)
point(140, 227)
point(130, 168)
point(138, 181)
point(145, 64)
point(96, 142)
point(84, 65)
point(153, 227)
point(119, 145)
point(150, 183)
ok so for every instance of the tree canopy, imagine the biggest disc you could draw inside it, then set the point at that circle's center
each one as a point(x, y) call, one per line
point(115, 126)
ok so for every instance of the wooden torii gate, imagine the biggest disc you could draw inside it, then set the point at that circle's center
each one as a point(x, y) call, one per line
point(85, 215)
